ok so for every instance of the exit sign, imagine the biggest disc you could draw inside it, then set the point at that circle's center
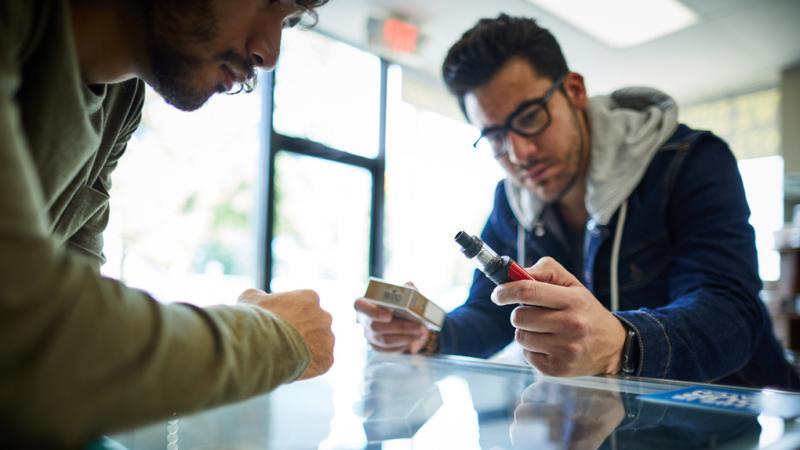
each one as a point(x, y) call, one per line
point(394, 34)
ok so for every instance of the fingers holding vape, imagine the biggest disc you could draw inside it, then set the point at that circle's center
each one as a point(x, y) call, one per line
point(550, 271)
point(568, 332)
point(302, 310)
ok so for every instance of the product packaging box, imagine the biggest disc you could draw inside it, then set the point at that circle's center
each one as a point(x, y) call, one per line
point(405, 302)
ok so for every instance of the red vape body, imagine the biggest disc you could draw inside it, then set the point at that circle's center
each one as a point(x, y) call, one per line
point(500, 269)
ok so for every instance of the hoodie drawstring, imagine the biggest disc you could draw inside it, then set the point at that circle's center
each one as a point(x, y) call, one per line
point(538, 230)
point(623, 212)
point(614, 269)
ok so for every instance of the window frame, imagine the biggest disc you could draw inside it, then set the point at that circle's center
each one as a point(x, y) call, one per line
point(273, 142)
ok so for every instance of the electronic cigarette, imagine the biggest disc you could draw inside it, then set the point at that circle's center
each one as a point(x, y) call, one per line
point(500, 269)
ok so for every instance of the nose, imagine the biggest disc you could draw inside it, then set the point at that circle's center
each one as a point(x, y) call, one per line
point(521, 149)
point(264, 46)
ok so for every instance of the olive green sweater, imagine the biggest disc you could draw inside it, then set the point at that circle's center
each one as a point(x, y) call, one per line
point(81, 354)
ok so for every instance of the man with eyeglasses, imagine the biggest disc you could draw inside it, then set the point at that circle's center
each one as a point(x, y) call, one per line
point(81, 354)
point(635, 228)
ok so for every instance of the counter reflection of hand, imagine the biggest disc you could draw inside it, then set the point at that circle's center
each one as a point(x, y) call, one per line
point(390, 386)
point(397, 400)
point(565, 417)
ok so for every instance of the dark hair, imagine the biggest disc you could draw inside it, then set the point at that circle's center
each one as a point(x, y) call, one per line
point(485, 48)
point(309, 6)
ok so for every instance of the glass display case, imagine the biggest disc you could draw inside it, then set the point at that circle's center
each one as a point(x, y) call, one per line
point(446, 402)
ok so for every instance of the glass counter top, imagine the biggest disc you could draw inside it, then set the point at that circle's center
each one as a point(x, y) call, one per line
point(447, 402)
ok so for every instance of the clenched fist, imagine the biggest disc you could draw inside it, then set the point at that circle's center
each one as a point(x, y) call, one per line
point(302, 310)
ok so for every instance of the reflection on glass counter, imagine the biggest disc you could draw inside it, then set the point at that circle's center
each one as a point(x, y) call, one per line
point(416, 402)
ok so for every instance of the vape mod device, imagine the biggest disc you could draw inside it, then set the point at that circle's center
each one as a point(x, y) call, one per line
point(500, 269)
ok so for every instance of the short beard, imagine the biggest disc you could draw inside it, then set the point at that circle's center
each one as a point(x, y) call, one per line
point(172, 25)
point(580, 170)
point(581, 165)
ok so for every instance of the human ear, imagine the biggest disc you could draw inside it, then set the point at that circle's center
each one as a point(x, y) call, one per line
point(575, 89)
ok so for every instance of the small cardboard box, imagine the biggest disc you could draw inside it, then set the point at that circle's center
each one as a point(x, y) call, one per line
point(405, 302)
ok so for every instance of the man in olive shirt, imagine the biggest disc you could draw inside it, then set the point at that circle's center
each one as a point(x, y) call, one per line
point(81, 354)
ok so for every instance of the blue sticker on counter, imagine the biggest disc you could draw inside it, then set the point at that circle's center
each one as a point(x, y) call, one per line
point(771, 403)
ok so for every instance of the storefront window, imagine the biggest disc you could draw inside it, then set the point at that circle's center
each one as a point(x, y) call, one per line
point(183, 201)
point(328, 92)
point(436, 185)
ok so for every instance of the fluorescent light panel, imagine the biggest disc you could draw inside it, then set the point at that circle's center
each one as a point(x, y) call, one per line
point(622, 23)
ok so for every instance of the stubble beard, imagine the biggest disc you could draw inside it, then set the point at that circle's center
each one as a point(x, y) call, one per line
point(169, 31)
point(578, 153)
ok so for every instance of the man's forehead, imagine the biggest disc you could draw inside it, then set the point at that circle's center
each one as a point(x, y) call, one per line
point(514, 83)
point(517, 76)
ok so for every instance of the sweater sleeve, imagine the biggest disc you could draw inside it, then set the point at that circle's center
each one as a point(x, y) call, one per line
point(81, 354)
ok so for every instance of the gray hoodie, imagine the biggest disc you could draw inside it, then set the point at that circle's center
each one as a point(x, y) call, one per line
point(627, 128)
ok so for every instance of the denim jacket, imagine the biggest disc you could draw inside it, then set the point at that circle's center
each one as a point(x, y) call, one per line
point(687, 277)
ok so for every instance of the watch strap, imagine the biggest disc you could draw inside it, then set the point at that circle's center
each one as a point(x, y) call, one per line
point(629, 356)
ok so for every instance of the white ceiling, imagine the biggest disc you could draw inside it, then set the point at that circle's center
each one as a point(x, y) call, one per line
point(738, 45)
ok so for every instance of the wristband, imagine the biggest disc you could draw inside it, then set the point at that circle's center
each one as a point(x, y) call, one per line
point(629, 354)
point(431, 345)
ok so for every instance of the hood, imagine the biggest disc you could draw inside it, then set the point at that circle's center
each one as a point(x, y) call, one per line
point(627, 128)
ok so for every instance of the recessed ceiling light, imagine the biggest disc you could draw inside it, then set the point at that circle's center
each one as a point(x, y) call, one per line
point(622, 23)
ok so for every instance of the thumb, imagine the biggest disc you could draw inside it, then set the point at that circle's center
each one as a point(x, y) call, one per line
point(250, 295)
point(548, 270)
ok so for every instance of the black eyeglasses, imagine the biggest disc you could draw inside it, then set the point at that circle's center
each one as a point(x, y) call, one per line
point(528, 119)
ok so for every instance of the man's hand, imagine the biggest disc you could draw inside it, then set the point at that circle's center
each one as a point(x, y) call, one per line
point(301, 309)
point(386, 333)
point(565, 331)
